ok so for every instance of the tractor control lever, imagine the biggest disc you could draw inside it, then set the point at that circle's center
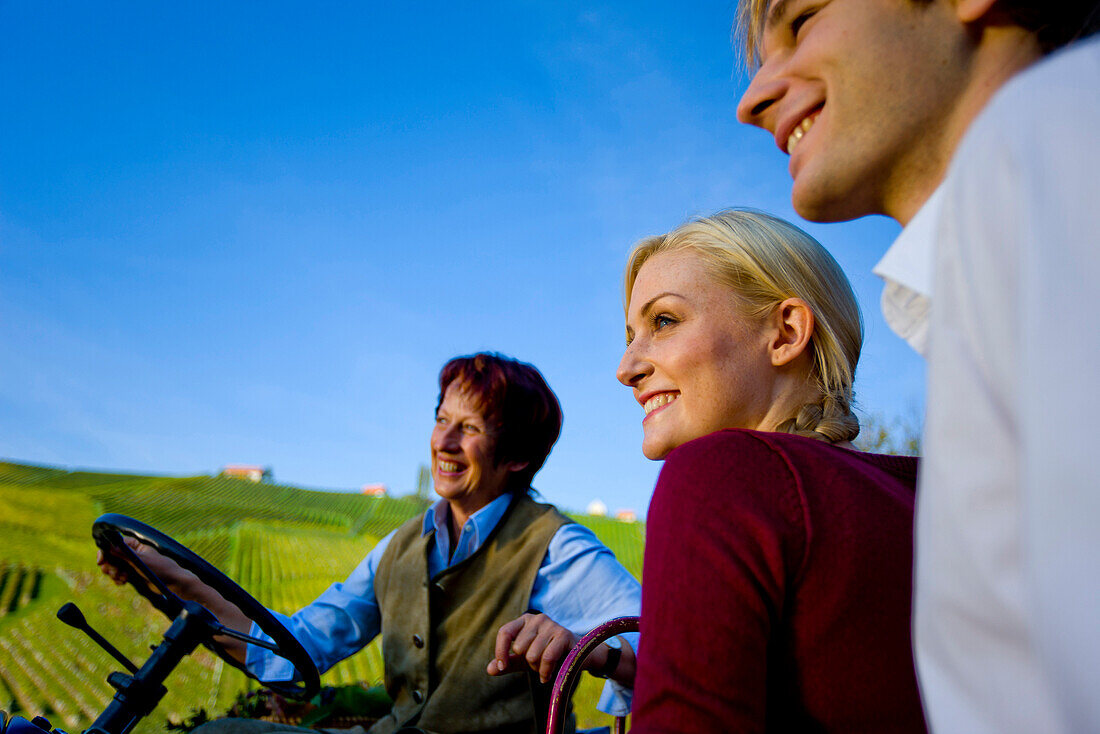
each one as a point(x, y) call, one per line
point(221, 629)
point(71, 615)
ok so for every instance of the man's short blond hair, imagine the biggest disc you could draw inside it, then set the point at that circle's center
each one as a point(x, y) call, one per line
point(748, 27)
point(1055, 23)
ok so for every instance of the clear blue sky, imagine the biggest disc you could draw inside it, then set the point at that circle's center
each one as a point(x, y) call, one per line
point(253, 232)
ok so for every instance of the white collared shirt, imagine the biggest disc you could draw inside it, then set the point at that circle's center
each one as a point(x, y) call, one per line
point(1007, 581)
point(906, 269)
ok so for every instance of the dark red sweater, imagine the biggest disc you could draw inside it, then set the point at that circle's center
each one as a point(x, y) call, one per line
point(776, 590)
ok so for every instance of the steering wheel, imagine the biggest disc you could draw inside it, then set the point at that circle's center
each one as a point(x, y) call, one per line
point(109, 531)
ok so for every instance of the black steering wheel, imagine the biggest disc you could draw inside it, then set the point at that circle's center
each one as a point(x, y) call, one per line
point(109, 531)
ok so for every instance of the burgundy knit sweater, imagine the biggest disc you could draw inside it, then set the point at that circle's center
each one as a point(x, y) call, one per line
point(776, 590)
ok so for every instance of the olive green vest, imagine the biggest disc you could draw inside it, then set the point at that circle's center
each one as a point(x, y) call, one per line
point(439, 634)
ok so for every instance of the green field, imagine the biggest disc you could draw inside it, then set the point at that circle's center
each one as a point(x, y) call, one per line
point(282, 544)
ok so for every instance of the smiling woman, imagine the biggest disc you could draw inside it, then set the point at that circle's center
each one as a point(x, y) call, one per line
point(755, 316)
point(474, 460)
point(452, 591)
point(489, 555)
point(777, 559)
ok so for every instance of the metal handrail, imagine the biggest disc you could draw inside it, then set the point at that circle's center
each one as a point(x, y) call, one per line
point(571, 668)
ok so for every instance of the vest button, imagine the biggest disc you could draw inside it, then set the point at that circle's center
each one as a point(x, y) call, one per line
point(418, 640)
point(418, 696)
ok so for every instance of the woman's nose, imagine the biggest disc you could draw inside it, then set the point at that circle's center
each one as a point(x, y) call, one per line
point(633, 366)
point(445, 438)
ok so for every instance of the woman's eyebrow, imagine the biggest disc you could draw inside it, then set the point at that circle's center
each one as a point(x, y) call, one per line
point(649, 304)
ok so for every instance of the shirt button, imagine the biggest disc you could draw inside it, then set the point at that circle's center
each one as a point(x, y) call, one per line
point(418, 640)
point(418, 696)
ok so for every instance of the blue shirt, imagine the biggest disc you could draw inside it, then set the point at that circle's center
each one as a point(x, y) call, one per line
point(579, 585)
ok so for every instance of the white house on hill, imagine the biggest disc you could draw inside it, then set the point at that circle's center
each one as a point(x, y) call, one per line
point(596, 507)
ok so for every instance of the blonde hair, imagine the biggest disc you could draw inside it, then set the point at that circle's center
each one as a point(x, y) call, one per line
point(765, 261)
point(748, 28)
point(1054, 24)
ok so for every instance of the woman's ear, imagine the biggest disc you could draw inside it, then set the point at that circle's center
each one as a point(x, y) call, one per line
point(793, 321)
point(971, 11)
point(516, 466)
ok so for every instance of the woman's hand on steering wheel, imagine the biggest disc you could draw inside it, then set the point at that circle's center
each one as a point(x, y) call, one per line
point(174, 576)
point(162, 570)
point(182, 583)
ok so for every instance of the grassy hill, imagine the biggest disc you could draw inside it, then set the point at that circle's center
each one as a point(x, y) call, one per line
point(283, 544)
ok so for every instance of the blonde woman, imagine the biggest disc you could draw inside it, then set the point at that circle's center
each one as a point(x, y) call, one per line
point(777, 573)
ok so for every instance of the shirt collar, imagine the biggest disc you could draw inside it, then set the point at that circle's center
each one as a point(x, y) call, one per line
point(907, 268)
point(474, 532)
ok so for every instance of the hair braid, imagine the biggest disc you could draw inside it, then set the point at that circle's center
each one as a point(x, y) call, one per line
point(830, 419)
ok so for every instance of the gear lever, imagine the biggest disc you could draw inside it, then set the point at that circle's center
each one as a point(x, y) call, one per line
point(71, 615)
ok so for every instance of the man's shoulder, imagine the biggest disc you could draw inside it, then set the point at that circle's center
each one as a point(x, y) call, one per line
point(1026, 164)
point(1045, 103)
point(1075, 67)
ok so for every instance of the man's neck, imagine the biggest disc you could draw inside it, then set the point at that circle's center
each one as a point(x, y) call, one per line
point(1002, 52)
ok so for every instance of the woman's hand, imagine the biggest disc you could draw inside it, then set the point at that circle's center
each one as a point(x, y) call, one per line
point(535, 641)
point(179, 580)
point(184, 584)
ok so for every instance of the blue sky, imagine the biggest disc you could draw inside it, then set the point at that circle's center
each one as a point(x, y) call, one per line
point(253, 232)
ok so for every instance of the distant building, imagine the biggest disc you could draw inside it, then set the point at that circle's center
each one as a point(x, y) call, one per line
point(251, 472)
point(626, 515)
point(374, 490)
point(596, 507)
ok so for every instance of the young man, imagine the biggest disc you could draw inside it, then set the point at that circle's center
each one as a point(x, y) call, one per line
point(972, 123)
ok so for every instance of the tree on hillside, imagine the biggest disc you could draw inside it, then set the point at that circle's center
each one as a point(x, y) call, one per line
point(898, 435)
point(424, 484)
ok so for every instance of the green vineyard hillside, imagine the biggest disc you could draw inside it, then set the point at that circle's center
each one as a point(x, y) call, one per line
point(283, 544)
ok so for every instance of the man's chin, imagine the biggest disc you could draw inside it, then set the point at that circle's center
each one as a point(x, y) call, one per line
point(825, 206)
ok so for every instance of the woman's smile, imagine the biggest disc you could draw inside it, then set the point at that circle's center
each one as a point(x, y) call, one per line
point(657, 403)
point(450, 467)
